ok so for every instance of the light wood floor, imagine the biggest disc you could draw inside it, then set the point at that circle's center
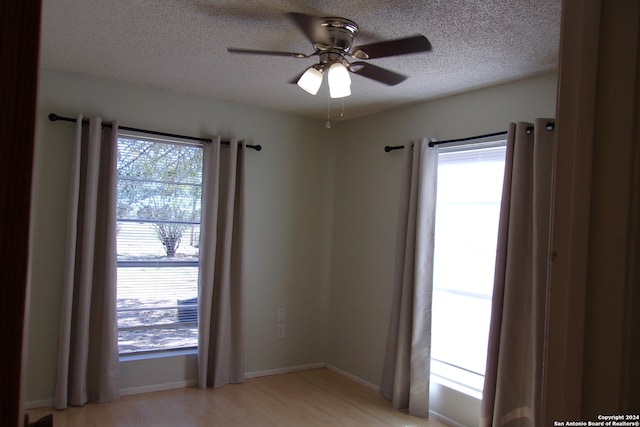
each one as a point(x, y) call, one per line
point(316, 397)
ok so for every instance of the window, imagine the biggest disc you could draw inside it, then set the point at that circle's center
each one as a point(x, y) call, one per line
point(158, 229)
point(467, 213)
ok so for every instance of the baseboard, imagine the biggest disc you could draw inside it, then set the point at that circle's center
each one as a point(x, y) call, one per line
point(432, 414)
point(157, 387)
point(353, 378)
point(190, 383)
point(286, 370)
point(44, 403)
point(298, 368)
point(448, 421)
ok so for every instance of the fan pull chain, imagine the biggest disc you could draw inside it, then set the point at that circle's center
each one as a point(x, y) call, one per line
point(328, 124)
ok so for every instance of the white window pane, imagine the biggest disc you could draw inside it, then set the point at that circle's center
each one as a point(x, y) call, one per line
point(461, 338)
point(150, 340)
point(466, 236)
point(467, 214)
point(159, 193)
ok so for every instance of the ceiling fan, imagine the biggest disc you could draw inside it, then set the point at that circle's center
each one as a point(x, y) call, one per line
point(332, 39)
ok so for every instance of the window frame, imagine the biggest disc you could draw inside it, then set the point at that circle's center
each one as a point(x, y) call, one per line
point(186, 349)
point(439, 376)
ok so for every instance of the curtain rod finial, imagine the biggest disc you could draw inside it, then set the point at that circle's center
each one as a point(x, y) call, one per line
point(53, 117)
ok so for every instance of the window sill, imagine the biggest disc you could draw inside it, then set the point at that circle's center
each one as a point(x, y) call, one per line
point(476, 394)
point(158, 354)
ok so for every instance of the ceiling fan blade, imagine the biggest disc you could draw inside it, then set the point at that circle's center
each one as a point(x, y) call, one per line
point(266, 52)
point(415, 44)
point(310, 26)
point(379, 74)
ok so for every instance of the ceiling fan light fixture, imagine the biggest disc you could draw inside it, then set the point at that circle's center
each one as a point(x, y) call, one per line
point(311, 80)
point(339, 81)
point(332, 39)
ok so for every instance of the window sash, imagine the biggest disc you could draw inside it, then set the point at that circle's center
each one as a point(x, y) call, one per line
point(157, 292)
point(463, 206)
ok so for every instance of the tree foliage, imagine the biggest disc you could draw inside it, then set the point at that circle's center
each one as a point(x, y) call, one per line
point(160, 183)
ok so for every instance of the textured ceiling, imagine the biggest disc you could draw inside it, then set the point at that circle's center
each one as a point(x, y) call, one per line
point(181, 45)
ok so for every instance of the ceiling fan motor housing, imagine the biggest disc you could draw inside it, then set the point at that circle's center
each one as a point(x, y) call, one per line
point(340, 33)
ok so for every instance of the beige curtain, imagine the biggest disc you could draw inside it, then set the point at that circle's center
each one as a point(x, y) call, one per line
point(88, 366)
point(220, 313)
point(407, 363)
point(514, 360)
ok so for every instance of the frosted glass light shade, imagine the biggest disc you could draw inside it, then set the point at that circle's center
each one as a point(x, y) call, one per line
point(311, 80)
point(339, 81)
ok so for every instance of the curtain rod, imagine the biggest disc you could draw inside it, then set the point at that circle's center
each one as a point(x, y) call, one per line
point(54, 117)
point(549, 126)
point(432, 143)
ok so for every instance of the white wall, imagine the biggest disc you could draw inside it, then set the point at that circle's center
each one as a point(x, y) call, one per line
point(321, 217)
point(289, 187)
point(367, 193)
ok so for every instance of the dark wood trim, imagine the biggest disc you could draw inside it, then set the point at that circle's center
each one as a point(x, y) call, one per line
point(566, 292)
point(19, 47)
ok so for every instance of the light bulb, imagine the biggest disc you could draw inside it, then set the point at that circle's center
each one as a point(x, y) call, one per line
point(311, 80)
point(339, 81)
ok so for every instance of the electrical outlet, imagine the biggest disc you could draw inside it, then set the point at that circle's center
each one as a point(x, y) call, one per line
point(280, 330)
point(281, 316)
